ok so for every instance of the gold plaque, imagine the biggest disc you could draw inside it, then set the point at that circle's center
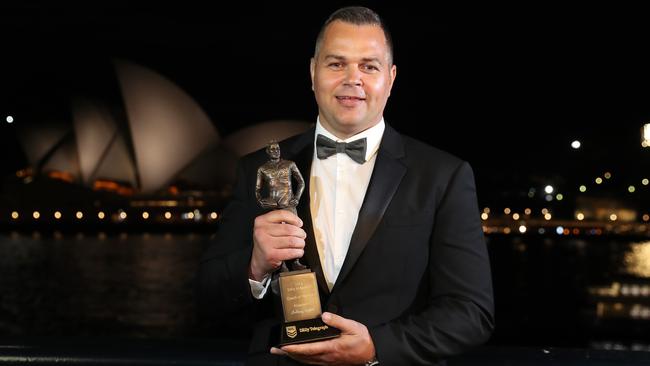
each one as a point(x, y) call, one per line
point(299, 294)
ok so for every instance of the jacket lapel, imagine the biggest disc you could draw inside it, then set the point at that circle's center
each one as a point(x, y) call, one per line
point(386, 177)
point(302, 152)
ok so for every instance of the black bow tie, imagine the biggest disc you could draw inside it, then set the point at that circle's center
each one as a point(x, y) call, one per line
point(326, 147)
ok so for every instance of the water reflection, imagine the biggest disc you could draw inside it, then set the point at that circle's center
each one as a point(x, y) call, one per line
point(637, 260)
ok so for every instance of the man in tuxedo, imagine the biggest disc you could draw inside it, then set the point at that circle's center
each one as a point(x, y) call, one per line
point(391, 226)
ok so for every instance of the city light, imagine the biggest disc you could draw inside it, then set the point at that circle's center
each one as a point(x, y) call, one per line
point(582, 188)
point(79, 215)
point(645, 181)
point(522, 229)
point(213, 215)
point(599, 180)
point(486, 210)
point(580, 216)
point(559, 230)
point(168, 215)
point(484, 216)
point(575, 144)
point(645, 135)
point(101, 215)
point(145, 215)
point(559, 196)
point(646, 217)
point(613, 217)
point(57, 215)
point(547, 216)
point(14, 215)
point(631, 189)
point(549, 189)
point(506, 211)
point(515, 216)
point(9, 119)
point(608, 175)
point(36, 215)
point(527, 211)
point(122, 215)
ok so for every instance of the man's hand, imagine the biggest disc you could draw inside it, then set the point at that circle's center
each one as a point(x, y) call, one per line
point(353, 347)
point(277, 236)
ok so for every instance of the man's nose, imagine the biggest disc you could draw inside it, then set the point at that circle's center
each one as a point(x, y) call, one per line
point(353, 77)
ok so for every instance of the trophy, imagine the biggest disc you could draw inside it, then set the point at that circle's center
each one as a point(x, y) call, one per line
point(301, 306)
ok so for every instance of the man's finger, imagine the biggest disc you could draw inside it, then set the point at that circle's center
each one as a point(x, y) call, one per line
point(286, 216)
point(309, 349)
point(277, 351)
point(346, 326)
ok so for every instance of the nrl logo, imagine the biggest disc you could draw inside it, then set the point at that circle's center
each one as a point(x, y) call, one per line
point(291, 331)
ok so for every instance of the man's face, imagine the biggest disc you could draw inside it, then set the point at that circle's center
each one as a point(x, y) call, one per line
point(274, 151)
point(352, 77)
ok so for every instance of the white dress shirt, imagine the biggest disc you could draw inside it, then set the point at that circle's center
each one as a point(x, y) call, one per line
point(337, 188)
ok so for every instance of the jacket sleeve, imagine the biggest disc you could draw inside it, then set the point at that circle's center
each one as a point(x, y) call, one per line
point(459, 311)
point(222, 280)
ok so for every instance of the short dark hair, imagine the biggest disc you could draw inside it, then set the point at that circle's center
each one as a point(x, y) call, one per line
point(357, 15)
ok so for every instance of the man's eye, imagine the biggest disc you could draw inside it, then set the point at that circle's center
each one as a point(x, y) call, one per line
point(370, 68)
point(335, 65)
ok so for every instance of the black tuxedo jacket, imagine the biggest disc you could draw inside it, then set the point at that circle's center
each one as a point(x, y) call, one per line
point(417, 272)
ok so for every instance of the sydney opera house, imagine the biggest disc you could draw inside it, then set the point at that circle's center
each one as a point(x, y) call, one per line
point(145, 152)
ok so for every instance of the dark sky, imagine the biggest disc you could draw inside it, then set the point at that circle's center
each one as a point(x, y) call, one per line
point(506, 88)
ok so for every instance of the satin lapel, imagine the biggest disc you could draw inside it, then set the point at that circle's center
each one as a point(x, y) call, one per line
point(303, 151)
point(386, 177)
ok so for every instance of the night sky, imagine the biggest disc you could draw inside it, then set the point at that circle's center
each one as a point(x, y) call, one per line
point(507, 89)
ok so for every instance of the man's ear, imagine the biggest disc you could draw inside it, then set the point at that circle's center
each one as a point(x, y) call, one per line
point(393, 75)
point(312, 69)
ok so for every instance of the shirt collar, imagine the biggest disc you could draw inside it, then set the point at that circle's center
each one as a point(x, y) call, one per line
point(373, 136)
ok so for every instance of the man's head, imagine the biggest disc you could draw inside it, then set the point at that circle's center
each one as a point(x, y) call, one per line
point(273, 150)
point(352, 71)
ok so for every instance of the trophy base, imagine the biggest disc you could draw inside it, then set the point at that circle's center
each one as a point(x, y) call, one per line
point(304, 331)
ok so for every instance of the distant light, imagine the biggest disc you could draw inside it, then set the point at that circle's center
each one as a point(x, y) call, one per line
point(122, 215)
point(484, 216)
point(145, 215)
point(559, 196)
point(549, 189)
point(486, 210)
point(645, 181)
point(515, 216)
point(548, 197)
point(631, 189)
point(522, 229)
point(599, 180)
point(645, 135)
point(79, 215)
point(559, 230)
point(57, 215)
point(613, 217)
point(580, 216)
point(544, 211)
point(14, 215)
point(213, 215)
point(527, 211)
point(531, 192)
point(646, 217)
point(190, 215)
point(506, 230)
point(10, 119)
point(575, 144)
point(506, 211)
point(608, 175)
point(541, 230)
point(101, 215)
point(168, 215)
point(36, 215)
point(547, 216)
point(582, 188)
